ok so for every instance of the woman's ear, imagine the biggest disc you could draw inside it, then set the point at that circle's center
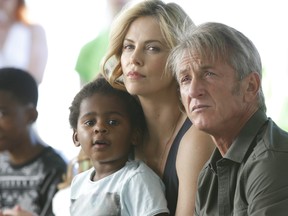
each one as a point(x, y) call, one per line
point(75, 138)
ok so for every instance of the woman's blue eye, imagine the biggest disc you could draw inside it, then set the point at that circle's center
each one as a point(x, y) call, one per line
point(153, 48)
point(128, 47)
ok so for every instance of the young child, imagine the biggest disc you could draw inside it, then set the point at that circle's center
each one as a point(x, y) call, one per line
point(107, 123)
point(29, 169)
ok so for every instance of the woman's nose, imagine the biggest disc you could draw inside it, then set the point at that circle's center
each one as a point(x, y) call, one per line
point(136, 58)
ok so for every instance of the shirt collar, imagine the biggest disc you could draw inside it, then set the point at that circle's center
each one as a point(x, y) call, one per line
point(242, 143)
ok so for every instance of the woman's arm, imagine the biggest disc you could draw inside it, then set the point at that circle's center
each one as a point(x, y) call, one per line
point(194, 151)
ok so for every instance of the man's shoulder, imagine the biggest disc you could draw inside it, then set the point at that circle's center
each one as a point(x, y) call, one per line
point(273, 139)
point(270, 152)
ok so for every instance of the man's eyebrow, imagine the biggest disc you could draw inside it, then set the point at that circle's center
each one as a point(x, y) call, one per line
point(205, 67)
point(184, 68)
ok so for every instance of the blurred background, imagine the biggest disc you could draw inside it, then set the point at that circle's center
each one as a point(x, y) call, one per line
point(70, 24)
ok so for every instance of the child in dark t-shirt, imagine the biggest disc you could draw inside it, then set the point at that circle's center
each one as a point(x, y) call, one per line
point(29, 169)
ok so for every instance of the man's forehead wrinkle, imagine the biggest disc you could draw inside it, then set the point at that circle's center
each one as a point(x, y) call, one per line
point(184, 68)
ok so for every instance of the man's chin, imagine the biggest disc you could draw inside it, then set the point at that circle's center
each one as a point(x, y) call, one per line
point(200, 125)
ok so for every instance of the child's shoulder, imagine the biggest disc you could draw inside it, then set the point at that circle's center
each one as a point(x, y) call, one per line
point(83, 176)
point(139, 168)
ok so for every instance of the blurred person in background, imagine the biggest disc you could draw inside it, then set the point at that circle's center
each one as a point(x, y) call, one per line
point(22, 44)
point(88, 62)
point(30, 169)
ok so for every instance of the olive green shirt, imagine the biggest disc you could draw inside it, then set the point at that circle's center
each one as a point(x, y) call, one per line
point(252, 178)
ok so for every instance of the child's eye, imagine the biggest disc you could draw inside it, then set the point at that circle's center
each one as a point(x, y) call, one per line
point(113, 122)
point(89, 122)
point(3, 113)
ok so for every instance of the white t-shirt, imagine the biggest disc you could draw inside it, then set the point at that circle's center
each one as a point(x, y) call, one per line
point(133, 190)
point(61, 202)
point(17, 47)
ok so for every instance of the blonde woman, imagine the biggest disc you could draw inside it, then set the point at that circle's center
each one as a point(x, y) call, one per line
point(141, 39)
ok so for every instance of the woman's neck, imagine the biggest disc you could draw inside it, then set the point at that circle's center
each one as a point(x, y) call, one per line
point(164, 120)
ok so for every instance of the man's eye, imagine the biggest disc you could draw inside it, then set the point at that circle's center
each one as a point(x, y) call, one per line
point(208, 74)
point(113, 122)
point(184, 79)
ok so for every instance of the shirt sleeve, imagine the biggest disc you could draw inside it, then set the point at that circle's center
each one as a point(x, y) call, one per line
point(267, 185)
point(144, 194)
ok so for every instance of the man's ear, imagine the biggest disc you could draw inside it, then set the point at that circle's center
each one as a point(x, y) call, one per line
point(252, 86)
point(75, 138)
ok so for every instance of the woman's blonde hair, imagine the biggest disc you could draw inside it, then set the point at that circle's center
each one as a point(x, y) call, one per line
point(172, 21)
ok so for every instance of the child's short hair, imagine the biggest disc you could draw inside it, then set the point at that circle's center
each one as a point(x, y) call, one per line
point(100, 85)
point(20, 84)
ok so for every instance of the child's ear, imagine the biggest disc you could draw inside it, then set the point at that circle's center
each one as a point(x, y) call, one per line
point(75, 138)
point(32, 114)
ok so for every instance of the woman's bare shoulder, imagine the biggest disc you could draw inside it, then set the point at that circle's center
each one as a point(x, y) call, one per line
point(195, 148)
point(194, 137)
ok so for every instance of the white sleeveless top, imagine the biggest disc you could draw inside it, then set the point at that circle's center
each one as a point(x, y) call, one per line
point(16, 50)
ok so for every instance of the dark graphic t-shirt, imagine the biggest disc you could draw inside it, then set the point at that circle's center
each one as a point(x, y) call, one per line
point(31, 185)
